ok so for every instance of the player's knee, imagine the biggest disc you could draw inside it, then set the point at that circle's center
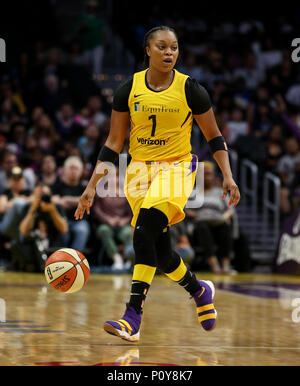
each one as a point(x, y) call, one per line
point(149, 226)
point(152, 220)
point(141, 238)
point(169, 262)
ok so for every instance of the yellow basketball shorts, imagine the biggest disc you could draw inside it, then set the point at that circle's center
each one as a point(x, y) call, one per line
point(163, 185)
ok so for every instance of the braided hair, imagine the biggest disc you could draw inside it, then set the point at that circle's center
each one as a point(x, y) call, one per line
point(148, 36)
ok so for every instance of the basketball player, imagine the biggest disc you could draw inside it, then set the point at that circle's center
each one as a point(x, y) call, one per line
point(160, 103)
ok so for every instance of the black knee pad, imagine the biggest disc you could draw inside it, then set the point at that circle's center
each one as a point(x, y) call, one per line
point(152, 219)
point(167, 259)
point(141, 238)
point(149, 226)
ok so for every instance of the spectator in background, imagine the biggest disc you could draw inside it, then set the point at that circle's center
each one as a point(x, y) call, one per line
point(49, 175)
point(262, 119)
point(12, 202)
point(95, 110)
point(3, 143)
point(9, 113)
point(293, 95)
point(249, 71)
point(42, 226)
point(36, 114)
point(53, 95)
point(191, 68)
point(65, 122)
point(212, 224)
point(67, 193)
point(35, 157)
point(83, 117)
point(16, 189)
point(274, 148)
point(294, 196)
point(88, 143)
point(44, 133)
point(244, 145)
point(17, 137)
point(268, 55)
point(235, 126)
point(181, 243)
point(112, 215)
point(8, 162)
point(287, 163)
point(53, 65)
point(90, 31)
point(261, 96)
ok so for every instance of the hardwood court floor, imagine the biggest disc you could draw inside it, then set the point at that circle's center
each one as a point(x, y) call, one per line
point(257, 322)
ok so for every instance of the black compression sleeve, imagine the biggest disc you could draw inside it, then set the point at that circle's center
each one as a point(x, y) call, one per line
point(197, 97)
point(120, 101)
point(107, 155)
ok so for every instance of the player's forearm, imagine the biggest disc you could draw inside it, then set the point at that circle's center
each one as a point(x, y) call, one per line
point(108, 154)
point(222, 159)
point(98, 173)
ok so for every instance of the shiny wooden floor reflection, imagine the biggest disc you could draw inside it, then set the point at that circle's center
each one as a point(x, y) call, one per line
point(257, 323)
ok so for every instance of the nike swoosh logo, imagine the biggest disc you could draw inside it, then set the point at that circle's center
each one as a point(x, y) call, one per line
point(137, 95)
point(177, 163)
point(203, 289)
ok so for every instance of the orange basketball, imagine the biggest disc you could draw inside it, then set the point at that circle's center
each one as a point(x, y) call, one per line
point(67, 270)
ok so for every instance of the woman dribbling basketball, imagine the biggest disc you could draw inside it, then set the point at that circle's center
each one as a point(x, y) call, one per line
point(160, 104)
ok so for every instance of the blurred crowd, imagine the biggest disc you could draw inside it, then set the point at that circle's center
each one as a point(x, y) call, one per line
point(54, 119)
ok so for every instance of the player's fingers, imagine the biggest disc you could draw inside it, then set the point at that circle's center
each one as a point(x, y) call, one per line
point(225, 191)
point(76, 214)
point(79, 212)
point(234, 196)
point(83, 209)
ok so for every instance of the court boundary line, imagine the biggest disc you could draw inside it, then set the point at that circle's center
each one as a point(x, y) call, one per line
point(171, 347)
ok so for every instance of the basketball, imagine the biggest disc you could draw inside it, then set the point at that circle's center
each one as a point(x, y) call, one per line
point(67, 270)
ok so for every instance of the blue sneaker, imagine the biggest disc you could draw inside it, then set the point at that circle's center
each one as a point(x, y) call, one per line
point(206, 311)
point(128, 327)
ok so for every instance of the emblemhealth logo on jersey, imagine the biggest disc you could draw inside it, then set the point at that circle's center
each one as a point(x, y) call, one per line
point(149, 109)
point(136, 106)
point(159, 109)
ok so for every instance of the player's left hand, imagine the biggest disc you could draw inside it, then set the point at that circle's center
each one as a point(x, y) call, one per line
point(85, 202)
point(230, 186)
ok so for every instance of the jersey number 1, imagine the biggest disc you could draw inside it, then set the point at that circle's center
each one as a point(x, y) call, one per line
point(153, 117)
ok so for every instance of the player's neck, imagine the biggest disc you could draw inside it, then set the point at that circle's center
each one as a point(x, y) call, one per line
point(158, 80)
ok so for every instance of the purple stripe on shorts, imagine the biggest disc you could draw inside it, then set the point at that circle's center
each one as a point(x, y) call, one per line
point(193, 164)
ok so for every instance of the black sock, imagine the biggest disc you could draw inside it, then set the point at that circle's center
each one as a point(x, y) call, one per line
point(138, 295)
point(189, 282)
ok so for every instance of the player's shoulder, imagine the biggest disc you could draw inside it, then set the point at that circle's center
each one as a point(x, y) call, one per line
point(125, 84)
point(197, 96)
point(121, 95)
point(193, 84)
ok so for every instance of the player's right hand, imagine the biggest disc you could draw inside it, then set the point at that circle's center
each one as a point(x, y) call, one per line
point(85, 202)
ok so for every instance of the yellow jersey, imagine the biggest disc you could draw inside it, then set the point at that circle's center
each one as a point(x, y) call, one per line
point(161, 121)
